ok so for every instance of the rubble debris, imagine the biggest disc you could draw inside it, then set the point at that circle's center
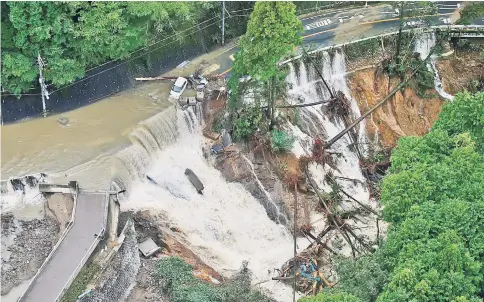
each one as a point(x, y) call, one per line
point(217, 149)
point(148, 247)
point(187, 101)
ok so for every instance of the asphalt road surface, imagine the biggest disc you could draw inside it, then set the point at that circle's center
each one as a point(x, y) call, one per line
point(89, 221)
point(345, 25)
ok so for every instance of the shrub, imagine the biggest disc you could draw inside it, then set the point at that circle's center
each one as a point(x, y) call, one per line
point(248, 121)
point(179, 283)
point(281, 141)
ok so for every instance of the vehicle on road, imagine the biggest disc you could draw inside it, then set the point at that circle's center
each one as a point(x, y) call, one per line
point(178, 87)
point(416, 24)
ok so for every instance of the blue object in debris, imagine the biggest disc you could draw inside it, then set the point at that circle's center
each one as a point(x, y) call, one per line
point(217, 149)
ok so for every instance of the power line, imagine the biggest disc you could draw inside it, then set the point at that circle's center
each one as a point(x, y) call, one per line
point(169, 37)
point(145, 47)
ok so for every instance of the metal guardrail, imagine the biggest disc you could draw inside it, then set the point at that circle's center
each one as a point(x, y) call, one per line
point(457, 28)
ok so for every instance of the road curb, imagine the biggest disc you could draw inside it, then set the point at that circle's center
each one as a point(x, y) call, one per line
point(74, 193)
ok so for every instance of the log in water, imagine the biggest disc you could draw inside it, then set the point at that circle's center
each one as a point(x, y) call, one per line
point(194, 180)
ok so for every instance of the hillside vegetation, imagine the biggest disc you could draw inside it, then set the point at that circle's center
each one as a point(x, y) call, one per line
point(433, 198)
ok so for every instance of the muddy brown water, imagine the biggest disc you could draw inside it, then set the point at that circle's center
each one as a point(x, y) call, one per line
point(45, 145)
point(84, 146)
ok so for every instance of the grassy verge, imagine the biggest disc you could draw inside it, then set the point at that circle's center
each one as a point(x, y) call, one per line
point(79, 284)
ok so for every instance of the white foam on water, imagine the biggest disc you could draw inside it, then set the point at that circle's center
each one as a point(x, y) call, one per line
point(27, 198)
point(423, 45)
point(304, 88)
point(224, 226)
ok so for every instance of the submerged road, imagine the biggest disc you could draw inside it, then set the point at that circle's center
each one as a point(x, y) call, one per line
point(73, 251)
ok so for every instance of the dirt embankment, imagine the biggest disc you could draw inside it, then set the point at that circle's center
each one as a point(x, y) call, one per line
point(461, 72)
point(150, 225)
point(406, 114)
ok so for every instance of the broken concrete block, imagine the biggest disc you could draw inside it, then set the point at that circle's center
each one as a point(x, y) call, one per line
point(148, 247)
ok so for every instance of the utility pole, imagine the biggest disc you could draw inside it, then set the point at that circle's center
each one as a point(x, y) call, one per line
point(43, 87)
point(223, 22)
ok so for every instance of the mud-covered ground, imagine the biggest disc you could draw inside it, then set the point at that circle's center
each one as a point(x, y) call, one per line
point(463, 71)
point(405, 114)
point(27, 243)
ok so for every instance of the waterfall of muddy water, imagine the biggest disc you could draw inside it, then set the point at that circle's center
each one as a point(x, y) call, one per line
point(21, 197)
point(96, 132)
point(423, 45)
point(308, 88)
point(224, 226)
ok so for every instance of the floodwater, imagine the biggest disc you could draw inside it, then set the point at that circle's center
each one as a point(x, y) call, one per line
point(93, 133)
point(44, 145)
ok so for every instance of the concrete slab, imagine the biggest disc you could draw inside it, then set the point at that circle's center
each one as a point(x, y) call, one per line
point(148, 247)
point(72, 252)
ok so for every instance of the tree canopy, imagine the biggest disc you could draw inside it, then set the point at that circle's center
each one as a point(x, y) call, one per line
point(74, 36)
point(433, 198)
point(273, 31)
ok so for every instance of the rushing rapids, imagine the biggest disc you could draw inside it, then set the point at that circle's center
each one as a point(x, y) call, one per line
point(307, 87)
point(423, 45)
point(227, 225)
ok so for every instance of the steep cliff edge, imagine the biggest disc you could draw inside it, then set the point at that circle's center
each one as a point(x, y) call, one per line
point(462, 72)
point(405, 114)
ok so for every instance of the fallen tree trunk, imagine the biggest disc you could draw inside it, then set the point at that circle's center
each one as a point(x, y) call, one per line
point(305, 105)
point(156, 78)
point(319, 73)
point(324, 245)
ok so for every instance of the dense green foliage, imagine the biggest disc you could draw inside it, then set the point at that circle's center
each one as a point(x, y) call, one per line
point(433, 198)
point(74, 36)
point(273, 31)
point(281, 141)
point(331, 297)
point(470, 12)
point(179, 283)
point(466, 114)
point(248, 121)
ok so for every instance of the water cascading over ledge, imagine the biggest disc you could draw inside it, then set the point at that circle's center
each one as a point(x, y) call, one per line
point(423, 45)
point(226, 225)
point(317, 122)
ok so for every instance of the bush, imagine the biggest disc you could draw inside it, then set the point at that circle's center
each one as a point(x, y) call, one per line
point(281, 141)
point(79, 284)
point(179, 283)
point(248, 121)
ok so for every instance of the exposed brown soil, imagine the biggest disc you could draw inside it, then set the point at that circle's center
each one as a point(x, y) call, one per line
point(404, 115)
point(149, 225)
point(460, 72)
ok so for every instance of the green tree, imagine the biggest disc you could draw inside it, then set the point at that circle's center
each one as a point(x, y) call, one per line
point(73, 36)
point(273, 31)
point(472, 11)
point(433, 200)
point(331, 297)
